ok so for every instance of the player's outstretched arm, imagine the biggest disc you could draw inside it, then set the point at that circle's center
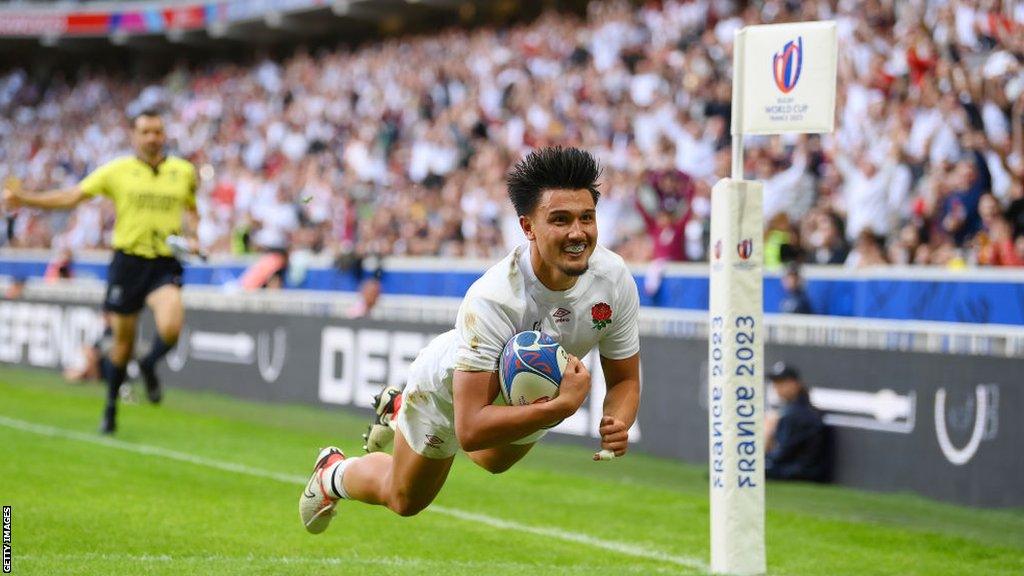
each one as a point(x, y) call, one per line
point(480, 425)
point(61, 199)
point(620, 403)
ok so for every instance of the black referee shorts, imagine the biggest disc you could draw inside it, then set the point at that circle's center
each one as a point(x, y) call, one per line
point(131, 278)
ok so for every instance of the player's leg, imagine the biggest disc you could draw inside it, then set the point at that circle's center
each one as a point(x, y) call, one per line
point(500, 458)
point(115, 365)
point(406, 482)
point(169, 316)
point(425, 446)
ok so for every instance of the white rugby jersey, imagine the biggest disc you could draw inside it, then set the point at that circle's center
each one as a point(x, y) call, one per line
point(599, 310)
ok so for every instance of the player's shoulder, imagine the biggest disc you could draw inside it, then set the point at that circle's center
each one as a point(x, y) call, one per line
point(180, 163)
point(608, 265)
point(173, 160)
point(502, 284)
point(118, 163)
point(613, 276)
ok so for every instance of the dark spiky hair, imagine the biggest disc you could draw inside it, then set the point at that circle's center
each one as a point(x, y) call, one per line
point(553, 168)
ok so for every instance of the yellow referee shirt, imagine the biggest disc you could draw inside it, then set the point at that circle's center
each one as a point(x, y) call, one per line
point(150, 203)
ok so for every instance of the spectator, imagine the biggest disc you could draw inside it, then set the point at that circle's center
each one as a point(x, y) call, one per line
point(970, 179)
point(823, 239)
point(996, 246)
point(797, 441)
point(670, 191)
point(866, 252)
point(411, 137)
point(780, 243)
point(794, 299)
point(368, 269)
point(909, 246)
point(90, 365)
point(61, 267)
point(15, 289)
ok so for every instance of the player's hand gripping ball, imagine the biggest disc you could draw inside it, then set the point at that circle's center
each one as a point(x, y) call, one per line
point(531, 368)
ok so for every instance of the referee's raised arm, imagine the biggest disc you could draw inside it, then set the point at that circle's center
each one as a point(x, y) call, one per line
point(60, 199)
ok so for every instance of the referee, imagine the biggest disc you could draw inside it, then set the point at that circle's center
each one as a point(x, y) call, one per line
point(154, 195)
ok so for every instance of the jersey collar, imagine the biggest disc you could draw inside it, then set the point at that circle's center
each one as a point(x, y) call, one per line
point(154, 169)
point(542, 292)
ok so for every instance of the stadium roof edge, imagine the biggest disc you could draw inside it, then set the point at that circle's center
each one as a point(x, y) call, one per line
point(165, 19)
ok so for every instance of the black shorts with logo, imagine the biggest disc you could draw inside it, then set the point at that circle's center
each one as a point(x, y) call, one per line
point(130, 279)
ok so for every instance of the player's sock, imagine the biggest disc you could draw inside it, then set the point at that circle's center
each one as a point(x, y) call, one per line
point(158, 350)
point(335, 475)
point(147, 366)
point(114, 376)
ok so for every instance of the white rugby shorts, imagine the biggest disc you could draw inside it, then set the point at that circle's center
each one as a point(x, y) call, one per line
point(427, 417)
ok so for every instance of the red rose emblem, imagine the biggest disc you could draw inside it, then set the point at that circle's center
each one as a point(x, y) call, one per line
point(601, 314)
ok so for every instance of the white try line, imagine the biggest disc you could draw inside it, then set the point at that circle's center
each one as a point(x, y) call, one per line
point(575, 537)
point(347, 561)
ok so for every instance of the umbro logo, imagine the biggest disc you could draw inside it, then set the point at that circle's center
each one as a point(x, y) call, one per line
point(561, 315)
point(434, 441)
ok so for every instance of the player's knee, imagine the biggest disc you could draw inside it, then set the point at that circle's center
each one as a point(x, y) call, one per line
point(170, 334)
point(496, 466)
point(403, 503)
point(120, 352)
point(169, 330)
point(404, 506)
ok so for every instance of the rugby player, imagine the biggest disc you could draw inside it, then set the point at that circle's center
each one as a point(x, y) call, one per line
point(560, 282)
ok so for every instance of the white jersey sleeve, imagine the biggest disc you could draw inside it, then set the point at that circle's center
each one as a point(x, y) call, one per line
point(623, 340)
point(483, 327)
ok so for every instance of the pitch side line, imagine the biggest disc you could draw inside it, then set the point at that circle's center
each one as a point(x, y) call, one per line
point(392, 562)
point(146, 450)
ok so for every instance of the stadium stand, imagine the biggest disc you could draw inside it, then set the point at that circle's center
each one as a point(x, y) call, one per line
point(404, 144)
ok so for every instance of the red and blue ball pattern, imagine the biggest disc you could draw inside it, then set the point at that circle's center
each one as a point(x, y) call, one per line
point(536, 354)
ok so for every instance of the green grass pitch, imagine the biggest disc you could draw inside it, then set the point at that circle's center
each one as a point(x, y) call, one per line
point(206, 484)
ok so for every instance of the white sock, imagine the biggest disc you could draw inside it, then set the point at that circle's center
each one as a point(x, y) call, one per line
point(335, 475)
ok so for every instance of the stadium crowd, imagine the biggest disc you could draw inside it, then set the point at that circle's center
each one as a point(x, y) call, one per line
point(401, 147)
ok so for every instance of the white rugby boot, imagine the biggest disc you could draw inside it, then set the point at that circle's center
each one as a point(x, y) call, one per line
point(318, 500)
point(380, 434)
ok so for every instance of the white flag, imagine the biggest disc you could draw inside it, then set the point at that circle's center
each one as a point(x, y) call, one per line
point(784, 78)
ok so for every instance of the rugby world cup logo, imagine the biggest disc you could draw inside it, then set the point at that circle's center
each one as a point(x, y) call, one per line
point(787, 63)
point(745, 248)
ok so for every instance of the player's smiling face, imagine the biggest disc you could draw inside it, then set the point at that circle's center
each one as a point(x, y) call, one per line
point(563, 230)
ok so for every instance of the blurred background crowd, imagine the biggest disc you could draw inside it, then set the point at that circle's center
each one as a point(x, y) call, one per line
point(400, 147)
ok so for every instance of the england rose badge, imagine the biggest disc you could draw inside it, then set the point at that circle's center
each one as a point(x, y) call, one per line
point(601, 314)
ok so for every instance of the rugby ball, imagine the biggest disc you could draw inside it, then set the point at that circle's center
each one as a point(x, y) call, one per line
point(531, 368)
